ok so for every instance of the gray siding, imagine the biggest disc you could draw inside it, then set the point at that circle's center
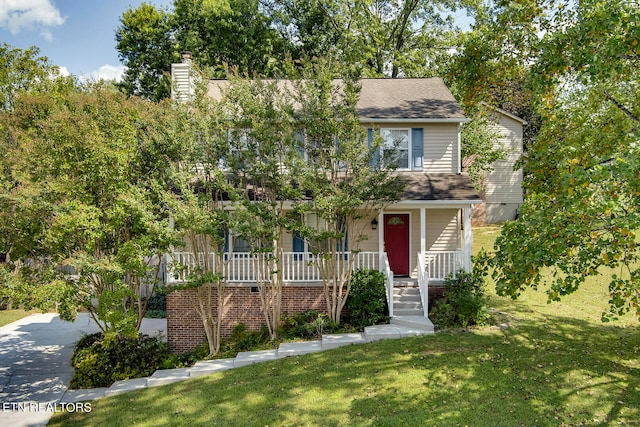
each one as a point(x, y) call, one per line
point(504, 184)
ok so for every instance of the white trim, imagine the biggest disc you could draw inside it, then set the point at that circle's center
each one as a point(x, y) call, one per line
point(506, 113)
point(381, 233)
point(373, 120)
point(459, 159)
point(423, 230)
point(467, 238)
point(440, 204)
point(409, 147)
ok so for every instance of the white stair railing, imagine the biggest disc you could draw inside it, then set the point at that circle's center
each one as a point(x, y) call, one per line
point(423, 284)
point(388, 274)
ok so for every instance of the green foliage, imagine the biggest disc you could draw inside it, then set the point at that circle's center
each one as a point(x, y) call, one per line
point(100, 361)
point(581, 215)
point(381, 38)
point(367, 302)
point(463, 302)
point(21, 71)
point(157, 306)
point(480, 148)
point(243, 340)
point(146, 51)
point(309, 324)
point(83, 200)
point(149, 39)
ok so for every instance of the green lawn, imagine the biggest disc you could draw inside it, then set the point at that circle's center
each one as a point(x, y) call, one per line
point(548, 365)
point(8, 316)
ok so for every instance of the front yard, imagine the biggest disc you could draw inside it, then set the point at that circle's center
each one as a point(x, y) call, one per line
point(541, 364)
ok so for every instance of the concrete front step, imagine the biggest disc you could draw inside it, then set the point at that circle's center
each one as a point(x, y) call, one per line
point(408, 313)
point(418, 322)
point(406, 291)
point(379, 332)
point(406, 298)
point(405, 283)
point(407, 305)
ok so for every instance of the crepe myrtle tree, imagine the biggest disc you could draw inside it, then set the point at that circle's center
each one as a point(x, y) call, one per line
point(343, 175)
point(264, 162)
point(200, 208)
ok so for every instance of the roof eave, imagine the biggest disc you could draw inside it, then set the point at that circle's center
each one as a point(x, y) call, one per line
point(420, 120)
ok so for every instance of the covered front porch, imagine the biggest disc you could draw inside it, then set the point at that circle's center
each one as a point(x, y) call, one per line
point(419, 241)
point(435, 243)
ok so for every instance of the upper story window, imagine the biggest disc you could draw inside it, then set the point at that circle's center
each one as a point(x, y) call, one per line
point(396, 147)
point(403, 148)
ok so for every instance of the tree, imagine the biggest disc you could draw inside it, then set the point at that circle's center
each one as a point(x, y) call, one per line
point(265, 162)
point(493, 62)
point(86, 161)
point(146, 49)
point(581, 213)
point(381, 38)
point(346, 182)
point(201, 208)
point(22, 71)
point(220, 34)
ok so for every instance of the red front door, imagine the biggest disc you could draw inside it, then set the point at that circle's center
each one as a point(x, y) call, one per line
point(396, 242)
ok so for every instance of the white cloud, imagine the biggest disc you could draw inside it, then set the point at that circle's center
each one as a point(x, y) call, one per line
point(106, 72)
point(19, 15)
point(64, 71)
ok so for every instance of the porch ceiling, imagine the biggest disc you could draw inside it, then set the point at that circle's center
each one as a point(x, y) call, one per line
point(420, 186)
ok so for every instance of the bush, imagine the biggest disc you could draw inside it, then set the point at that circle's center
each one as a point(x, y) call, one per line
point(367, 302)
point(463, 302)
point(99, 362)
point(309, 324)
point(157, 308)
point(243, 340)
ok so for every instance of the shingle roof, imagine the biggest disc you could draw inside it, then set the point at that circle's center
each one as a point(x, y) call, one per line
point(442, 187)
point(407, 99)
point(397, 99)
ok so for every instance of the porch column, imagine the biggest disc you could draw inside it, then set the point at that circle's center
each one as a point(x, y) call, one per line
point(381, 237)
point(423, 230)
point(468, 237)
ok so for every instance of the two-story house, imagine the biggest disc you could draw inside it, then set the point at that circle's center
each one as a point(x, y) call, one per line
point(417, 241)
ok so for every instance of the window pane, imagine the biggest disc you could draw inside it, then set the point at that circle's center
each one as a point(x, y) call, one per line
point(396, 147)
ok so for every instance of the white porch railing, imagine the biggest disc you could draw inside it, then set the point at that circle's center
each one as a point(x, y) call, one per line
point(423, 284)
point(242, 266)
point(439, 264)
point(388, 274)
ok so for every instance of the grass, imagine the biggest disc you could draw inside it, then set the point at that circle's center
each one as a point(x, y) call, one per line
point(9, 316)
point(555, 364)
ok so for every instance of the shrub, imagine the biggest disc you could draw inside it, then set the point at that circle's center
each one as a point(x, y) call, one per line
point(157, 308)
point(463, 302)
point(243, 340)
point(367, 302)
point(99, 362)
point(309, 324)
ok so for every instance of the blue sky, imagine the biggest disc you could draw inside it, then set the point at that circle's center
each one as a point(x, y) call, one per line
point(76, 35)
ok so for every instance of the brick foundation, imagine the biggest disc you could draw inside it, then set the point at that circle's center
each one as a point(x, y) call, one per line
point(184, 325)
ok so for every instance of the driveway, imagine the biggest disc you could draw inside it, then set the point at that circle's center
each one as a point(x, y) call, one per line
point(35, 353)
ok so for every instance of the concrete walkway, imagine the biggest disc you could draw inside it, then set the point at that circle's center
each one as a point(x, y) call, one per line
point(35, 370)
point(407, 326)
